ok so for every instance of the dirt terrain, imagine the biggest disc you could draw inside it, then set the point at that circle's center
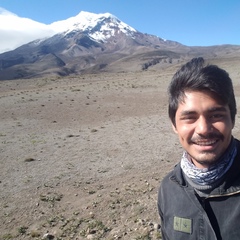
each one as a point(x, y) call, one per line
point(83, 157)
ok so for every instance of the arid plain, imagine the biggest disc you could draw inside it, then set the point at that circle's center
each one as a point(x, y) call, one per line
point(82, 157)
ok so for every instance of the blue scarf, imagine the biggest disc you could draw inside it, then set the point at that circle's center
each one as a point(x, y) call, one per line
point(213, 174)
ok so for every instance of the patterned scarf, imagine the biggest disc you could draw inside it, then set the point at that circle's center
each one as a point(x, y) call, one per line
point(211, 175)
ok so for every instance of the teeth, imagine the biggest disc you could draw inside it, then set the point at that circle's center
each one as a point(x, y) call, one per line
point(206, 143)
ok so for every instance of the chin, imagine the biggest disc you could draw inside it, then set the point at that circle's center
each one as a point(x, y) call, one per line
point(206, 159)
point(207, 162)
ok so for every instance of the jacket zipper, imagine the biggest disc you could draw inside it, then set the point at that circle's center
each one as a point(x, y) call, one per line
point(223, 195)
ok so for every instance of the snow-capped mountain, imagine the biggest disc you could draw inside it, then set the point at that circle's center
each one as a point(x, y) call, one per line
point(87, 42)
point(92, 43)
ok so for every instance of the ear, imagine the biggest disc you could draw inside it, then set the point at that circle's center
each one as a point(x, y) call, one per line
point(174, 128)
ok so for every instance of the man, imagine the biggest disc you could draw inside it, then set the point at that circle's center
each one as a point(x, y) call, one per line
point(200, 198)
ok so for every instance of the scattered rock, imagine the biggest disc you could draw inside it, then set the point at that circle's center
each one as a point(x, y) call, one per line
point(48, 236)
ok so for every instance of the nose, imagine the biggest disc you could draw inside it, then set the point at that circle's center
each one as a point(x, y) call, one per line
point(203, 126)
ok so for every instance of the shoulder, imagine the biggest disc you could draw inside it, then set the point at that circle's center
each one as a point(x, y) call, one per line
point(171, 189)
point(173, 176)
point(171, 182)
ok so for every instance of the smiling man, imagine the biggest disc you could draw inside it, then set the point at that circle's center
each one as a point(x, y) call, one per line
point(200, 198)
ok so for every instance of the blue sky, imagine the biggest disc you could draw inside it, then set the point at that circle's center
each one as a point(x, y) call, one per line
point(190, 22)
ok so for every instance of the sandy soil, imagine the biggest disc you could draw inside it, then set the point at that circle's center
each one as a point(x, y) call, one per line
point(82, 158)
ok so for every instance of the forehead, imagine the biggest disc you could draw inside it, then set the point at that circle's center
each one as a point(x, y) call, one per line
point(200, 99)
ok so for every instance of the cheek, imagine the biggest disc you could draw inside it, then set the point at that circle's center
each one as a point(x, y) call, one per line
point(185, 131)
point(185, 136)
point(224, 128)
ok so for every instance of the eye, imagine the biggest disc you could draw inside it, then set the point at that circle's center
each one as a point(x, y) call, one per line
point(188, 118)
point(217, 116)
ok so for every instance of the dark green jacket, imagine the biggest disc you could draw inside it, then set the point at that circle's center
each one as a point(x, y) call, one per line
point(184, 216)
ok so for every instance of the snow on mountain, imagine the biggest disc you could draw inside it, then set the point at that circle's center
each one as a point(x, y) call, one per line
point(99, 29)
point(16, 31)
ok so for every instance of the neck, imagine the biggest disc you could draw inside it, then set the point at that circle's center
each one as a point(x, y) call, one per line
point(203, 164)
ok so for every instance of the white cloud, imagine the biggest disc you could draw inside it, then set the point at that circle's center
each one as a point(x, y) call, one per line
point(16, 31)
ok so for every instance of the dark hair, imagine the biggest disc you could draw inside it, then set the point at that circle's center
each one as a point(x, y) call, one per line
point(197, 76)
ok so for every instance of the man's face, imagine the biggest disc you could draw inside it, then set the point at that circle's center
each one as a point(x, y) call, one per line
point(204, 127)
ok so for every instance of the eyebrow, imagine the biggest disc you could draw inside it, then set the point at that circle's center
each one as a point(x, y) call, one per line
point(210, 110)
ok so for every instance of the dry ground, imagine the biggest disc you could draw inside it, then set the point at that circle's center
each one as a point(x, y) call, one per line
point(82, 158)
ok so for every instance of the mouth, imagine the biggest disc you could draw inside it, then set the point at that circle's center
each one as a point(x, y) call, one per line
point(206, 145)
point(206, 142)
